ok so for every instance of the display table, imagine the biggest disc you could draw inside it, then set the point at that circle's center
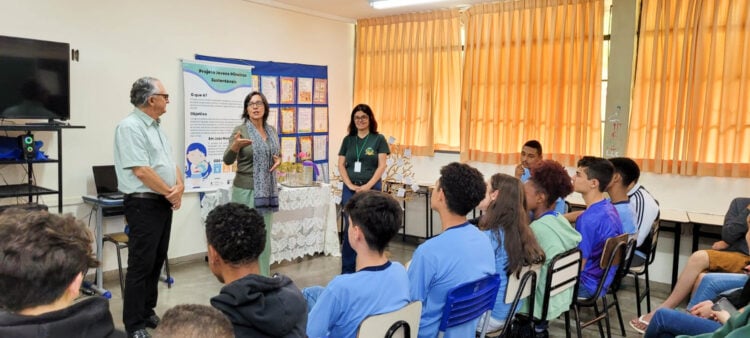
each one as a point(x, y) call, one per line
point(304, 225)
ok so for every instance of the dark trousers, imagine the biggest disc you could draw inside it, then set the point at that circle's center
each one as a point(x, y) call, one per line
point(150, 222)
point(348, 255)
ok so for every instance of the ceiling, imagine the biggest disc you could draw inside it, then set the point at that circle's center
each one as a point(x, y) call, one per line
point(351, 10)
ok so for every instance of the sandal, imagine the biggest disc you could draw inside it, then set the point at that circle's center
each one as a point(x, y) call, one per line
point(639, 324)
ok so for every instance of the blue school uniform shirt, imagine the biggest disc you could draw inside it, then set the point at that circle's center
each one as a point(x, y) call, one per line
point(596, 224)
point(501, 309)
point(349, 299)
point(626, 216)
point(459, 255)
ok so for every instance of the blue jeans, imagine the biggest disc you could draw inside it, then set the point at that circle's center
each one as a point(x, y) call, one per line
point(348, 255)
point(716, 283)
point(583, 292)
point(311, 295)
point(671, 323)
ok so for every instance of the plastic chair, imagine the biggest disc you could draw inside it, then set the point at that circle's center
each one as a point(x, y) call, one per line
point(518, 289)
point(468, 301)
point(612, 256)
point(400, 323)
point(120, 240)
point(643, 270)
point(562, 275)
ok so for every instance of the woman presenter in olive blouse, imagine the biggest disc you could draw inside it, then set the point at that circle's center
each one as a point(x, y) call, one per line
point(255, 146)
point(361, 164)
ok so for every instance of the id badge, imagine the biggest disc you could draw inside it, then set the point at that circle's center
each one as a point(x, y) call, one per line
point(357, 167)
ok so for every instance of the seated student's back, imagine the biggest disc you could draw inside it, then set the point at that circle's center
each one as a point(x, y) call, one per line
point(378, 286)
point(459, 255)
point(257, 306)
point(350, 298)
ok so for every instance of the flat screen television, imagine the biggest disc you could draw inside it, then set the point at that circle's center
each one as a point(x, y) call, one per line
point(34, 79)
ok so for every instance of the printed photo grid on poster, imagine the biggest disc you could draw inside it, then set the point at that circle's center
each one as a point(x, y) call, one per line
point(298, 98)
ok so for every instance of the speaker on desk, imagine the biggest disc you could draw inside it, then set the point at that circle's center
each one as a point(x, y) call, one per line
point(26, 142)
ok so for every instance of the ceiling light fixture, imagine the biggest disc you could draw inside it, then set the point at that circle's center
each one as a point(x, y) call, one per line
point(384, 4)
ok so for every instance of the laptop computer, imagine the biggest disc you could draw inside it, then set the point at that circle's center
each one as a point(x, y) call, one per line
point(105, 180)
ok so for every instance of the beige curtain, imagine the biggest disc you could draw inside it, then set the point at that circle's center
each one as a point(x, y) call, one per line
point(532, 71)
point(692, 88)
point(408, 69)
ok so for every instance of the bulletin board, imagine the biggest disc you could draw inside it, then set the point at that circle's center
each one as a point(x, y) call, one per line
point(297, 95)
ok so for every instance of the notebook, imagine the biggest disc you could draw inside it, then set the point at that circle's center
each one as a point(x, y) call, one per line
point(105, 180)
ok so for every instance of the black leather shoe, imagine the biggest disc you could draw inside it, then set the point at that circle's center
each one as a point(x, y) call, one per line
point(142, 333)
point(153, 321)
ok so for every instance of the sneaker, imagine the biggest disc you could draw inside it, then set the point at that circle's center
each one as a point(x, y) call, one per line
point(141, 333)
point(152, 321)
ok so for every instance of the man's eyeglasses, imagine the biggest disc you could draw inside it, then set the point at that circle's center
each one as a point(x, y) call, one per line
point(255, 104)
point(165, 96)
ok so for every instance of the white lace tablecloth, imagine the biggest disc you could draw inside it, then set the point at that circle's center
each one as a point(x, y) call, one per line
point(304, 225)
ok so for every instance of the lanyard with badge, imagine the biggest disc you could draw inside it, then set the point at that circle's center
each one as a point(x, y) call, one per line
point(358, 164)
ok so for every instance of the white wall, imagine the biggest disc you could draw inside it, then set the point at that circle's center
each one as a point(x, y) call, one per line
point(120, 42)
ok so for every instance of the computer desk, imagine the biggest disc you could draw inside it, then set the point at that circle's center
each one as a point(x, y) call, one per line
point(112, 208)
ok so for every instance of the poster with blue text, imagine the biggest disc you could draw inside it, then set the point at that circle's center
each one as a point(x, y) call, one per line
point(214, 95)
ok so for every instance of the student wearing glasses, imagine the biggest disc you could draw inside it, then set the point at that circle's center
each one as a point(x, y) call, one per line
point(361, 164)
point(254, 144)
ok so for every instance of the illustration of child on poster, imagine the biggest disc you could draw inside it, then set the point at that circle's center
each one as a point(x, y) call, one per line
point(197, 168)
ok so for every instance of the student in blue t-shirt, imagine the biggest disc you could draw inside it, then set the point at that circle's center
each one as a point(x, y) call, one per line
point(531, 156)
point(506, 224)
point(460, 254)
point(597, 223)
point(378, 285)
point(618, 194)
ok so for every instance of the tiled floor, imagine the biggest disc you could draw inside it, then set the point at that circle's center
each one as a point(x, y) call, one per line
point(194, 283)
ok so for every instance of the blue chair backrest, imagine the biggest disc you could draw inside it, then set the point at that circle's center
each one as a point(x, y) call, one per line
point(470, 300)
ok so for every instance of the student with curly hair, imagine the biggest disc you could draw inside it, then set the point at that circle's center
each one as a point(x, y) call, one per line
point(257, 306)
point(554, 233)
point(460, 254)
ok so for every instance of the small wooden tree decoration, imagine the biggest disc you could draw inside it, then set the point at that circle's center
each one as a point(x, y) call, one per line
point(398, 174)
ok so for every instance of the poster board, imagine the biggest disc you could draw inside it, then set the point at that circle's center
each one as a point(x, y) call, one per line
point(298, 106)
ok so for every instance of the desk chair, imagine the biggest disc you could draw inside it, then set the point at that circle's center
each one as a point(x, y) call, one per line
point(120, 240)
point(562, 274)
point(643, 270)
point(612, 256)
point(518, 289)
point(622, 271)
point(468, 301)
point(400, 323)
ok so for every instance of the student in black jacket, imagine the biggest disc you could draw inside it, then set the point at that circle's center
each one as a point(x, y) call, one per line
point(257, 306)
point(42, 260)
